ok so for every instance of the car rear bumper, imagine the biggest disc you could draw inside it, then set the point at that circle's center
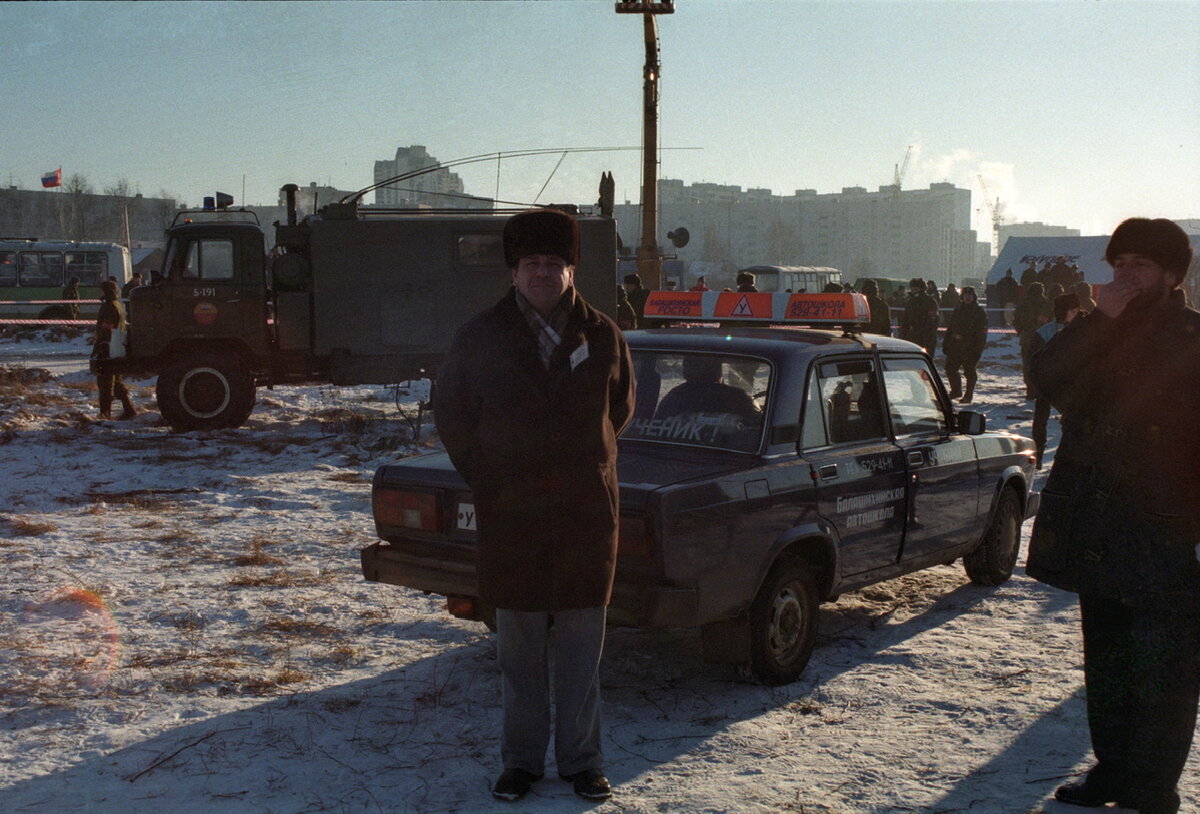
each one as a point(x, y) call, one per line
point(633, 604)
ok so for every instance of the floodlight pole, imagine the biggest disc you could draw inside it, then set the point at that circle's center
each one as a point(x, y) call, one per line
point(649, 258)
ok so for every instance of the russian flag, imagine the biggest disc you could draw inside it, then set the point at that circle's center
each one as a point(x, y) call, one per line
point(53, 179)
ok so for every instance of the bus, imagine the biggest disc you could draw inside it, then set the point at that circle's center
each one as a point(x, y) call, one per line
point(33, 271)
point(797, 279)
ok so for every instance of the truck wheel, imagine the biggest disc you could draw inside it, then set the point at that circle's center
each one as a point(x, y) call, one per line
point(991, 563)
point(206, 392)
point(783, 623)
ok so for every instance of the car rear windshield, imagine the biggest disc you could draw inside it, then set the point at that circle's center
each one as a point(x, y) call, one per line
point(699, 399)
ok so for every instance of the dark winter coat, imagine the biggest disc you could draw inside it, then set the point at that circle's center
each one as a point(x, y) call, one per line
point(1119, 514)
point(1006, 290)
point(966, 332)
point(538, 448)
point(881, 316)
point(919, 322)
point(1032, 312)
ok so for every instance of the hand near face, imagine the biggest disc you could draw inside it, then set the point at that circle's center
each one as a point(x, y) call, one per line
point(1112, 298)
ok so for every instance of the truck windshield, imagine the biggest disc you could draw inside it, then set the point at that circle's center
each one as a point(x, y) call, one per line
point(699, 399)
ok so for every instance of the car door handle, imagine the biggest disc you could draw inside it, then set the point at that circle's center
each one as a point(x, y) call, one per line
point(828, 471)
point(916, 457)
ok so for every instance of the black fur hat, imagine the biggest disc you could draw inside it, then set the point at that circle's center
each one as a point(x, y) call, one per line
point(541, 231)
point(1159, 239)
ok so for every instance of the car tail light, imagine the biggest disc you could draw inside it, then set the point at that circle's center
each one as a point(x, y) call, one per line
point(634, 538)
point(462, 607)
point(411, 510)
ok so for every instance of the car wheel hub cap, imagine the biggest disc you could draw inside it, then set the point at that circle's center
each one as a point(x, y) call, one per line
point(787, 617)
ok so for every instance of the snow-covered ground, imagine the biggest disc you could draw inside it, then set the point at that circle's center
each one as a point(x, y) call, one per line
point(184, 627)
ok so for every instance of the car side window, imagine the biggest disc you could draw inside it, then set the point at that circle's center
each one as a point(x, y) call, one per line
point(844, 399)
point(913, 402)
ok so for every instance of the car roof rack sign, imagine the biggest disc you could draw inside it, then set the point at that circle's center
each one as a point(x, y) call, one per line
point(848, 311)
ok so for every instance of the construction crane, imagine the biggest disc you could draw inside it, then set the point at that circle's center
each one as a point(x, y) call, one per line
point(649, 258)
point(902, 168)
point(995, 209)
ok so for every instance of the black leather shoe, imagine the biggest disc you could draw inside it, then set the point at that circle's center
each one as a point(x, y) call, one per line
point(590, 784)
point(1082, 793)
point(514, 784)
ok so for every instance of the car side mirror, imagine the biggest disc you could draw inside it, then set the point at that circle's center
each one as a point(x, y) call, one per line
point(971, 423)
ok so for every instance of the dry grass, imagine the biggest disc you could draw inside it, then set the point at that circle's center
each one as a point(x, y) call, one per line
point(302, 627)
point(280, 579)
point(256, 558)
point(268, 684)
point(24, 527)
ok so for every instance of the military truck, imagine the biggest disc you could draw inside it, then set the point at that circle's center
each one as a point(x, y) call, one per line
point(348, 295)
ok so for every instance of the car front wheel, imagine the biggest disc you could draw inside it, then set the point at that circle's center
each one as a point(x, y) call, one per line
point(783, 623)
point(991, 563)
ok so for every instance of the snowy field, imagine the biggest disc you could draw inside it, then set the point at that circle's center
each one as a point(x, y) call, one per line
point(184, 628)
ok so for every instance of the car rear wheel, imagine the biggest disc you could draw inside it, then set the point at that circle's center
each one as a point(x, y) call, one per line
point(991, 563)
point(783, 623)
point(206, 392)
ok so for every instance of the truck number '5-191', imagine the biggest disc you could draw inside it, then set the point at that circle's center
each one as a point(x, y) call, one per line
point(204, 292)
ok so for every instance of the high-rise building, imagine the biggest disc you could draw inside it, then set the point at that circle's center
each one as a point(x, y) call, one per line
point(887, 233)
point(435, 189)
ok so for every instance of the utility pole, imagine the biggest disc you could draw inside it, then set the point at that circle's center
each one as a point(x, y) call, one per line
point(649, 258)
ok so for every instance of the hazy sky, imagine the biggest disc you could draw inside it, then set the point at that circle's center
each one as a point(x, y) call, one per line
point(1077, 113)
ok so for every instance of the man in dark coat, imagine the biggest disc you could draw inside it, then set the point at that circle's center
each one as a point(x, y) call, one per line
point(1119, 521)
point(966, 337)
point(529, 403)
point(1007, 294)
point(1033, 311)
point(881, 315)
point(637, 297)
point(919, 323)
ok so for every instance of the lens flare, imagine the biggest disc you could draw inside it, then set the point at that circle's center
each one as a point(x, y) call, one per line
point(79, 642)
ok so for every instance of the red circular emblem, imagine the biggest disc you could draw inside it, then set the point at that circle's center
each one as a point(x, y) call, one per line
point(205, 313)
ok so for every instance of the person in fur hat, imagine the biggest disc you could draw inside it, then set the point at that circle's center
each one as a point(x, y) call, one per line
point(1119, 520)
point(529, 404)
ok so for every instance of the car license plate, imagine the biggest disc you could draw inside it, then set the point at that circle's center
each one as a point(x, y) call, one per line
point(466, 516)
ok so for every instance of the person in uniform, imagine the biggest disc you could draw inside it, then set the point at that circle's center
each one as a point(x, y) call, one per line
point(746, 281)
point(1033, 311)
point(134, 282)
point(919, 322)
point(966, 338)
point(110, 318)
point(529, 404)
point(881, 315)
point(71, 292)
point(637, 296)
point(1119, 521)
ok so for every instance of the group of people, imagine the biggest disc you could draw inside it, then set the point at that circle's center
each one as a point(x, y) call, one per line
point(542, 372)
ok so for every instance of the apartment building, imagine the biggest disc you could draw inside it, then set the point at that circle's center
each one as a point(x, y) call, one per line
point(890, 232)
